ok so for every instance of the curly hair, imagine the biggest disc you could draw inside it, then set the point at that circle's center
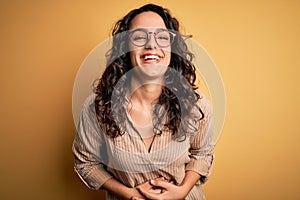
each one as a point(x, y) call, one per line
point(177, 105)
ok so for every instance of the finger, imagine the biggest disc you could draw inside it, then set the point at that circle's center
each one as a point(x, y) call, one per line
point(160, 183)
point(137, 198)
point(157, 191)
point(149, 194)
point(159, 178)
point(145, 185)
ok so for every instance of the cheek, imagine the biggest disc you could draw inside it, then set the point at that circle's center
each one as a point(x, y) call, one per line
point(134, 55)
point(132, 47)
point(167, 56)
point(167, 51)
point(132, 58)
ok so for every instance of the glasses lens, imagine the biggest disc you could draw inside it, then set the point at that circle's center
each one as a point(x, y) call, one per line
point(164, 38)
point(139, 38)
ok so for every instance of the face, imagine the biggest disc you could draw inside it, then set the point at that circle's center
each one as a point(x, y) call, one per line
point(151, 58)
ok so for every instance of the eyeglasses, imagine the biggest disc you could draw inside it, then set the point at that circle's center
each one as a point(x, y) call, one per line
point(140, 37)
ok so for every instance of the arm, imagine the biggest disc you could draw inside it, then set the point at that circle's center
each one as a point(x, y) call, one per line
point(88, 149)
point(94, 175)
point(202, 145)
point(90, 154)
point(115, 187)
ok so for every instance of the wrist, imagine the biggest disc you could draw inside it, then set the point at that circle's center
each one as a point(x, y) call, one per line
point(128, 193)
point(132, 192)
point(189, 181)
point(185, 189)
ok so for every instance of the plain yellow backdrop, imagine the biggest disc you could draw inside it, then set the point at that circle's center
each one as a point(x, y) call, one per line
point(255, 44)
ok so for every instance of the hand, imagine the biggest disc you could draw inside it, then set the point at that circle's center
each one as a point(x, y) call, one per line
point(136, 195)
point(147, 186)
point(169, 191)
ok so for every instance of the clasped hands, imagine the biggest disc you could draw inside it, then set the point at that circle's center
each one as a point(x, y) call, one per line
point(160, 189)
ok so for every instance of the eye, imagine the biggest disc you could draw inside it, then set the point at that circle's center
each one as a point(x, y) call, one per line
point(163, 36)
point(139, 37)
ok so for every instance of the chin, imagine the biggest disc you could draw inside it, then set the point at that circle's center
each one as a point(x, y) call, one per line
point(151, 71)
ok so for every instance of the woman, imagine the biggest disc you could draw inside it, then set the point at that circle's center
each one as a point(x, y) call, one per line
point(146, 132)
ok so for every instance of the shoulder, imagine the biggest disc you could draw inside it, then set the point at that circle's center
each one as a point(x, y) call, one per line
point(204, 103)
point(88, 112)
point(89, 104)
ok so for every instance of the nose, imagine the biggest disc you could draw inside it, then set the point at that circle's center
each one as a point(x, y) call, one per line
point(151, 44)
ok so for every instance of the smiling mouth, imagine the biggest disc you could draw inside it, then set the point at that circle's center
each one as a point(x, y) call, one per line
point(151, 58)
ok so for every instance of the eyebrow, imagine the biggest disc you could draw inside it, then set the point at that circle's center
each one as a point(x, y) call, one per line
point(149, 29)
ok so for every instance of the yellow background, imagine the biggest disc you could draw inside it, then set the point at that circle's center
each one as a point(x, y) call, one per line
point(255, 45)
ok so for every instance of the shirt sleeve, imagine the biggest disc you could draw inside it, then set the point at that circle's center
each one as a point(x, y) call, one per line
point(89, 149)
point(202, 145)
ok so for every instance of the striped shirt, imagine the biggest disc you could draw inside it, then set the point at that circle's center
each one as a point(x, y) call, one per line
point(126, 158)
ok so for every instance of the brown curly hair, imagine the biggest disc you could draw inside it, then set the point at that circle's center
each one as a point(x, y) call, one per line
point(178, 106)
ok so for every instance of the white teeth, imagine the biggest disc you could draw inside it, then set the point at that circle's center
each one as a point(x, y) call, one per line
point(151, 57)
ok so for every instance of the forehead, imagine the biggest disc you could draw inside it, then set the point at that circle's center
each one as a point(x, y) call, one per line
point(147, 20)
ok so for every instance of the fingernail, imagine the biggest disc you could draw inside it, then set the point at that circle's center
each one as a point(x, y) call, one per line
point(152, 181)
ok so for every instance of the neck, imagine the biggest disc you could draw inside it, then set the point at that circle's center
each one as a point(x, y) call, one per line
point(145, 94)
